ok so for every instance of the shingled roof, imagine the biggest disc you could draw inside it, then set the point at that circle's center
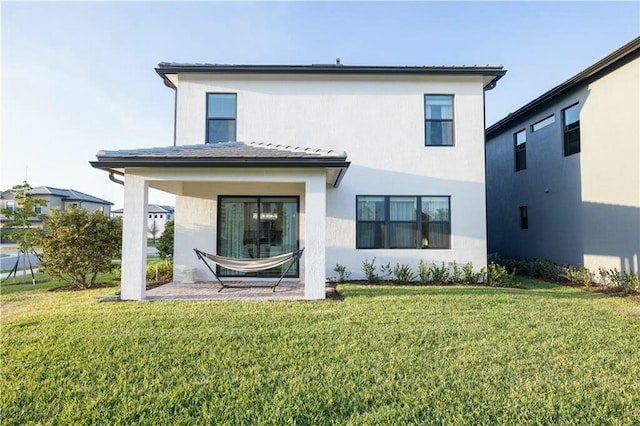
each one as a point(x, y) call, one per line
point(225, 154)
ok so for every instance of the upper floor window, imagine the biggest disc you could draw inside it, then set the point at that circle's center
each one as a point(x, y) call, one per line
point(403, 222)
point(10, 205)
point(543, 123)
point(520, 145)
point(37, 209)
point(571, 129)
point(438, 120)
point(221, 117)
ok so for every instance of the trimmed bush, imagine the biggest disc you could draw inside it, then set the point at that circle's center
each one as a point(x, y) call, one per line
point(160, 271)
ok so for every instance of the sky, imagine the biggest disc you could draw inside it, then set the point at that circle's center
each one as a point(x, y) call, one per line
point(78, 77)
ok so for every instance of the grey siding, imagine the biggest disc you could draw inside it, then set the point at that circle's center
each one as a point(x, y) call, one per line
point(550, 187)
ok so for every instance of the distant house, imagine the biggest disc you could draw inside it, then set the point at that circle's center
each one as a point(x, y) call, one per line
point(57, 198)
point(157, 217)
point(563, 179)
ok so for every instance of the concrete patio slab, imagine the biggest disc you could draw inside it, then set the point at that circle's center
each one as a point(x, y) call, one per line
point(286, 291)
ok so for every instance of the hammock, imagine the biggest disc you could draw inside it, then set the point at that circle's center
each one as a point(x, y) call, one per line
point(249, 265)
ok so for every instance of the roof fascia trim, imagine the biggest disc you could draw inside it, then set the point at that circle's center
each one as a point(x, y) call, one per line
point(611, 62)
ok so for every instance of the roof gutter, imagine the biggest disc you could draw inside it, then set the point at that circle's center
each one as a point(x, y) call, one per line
point(621, 56)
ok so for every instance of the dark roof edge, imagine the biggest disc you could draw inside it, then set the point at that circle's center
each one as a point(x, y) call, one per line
point(613, 59)
point(206, 162)
point(165, 68)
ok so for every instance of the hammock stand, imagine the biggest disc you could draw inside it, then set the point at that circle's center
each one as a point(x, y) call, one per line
point(249, 265)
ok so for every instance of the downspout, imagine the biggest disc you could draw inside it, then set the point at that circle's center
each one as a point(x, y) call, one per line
point(175, 114)
point(484, 150)
point(112, 178)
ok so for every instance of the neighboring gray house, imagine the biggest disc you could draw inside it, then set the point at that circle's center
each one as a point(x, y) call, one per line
point(57, 198)
point(563, 171)
point(157, 217)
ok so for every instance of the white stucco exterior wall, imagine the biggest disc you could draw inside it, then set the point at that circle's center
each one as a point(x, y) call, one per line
point(610, 169)
point(379, 122)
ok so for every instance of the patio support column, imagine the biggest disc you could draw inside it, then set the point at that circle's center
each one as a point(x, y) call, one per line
point(314, 238)
point(134, 238)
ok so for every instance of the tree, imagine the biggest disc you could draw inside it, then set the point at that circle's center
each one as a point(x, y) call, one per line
point(77, 245)
point(165, 242)
point(153, 230)
point(18, 223)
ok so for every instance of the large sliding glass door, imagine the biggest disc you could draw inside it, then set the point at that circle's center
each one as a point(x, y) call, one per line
point(255, 227)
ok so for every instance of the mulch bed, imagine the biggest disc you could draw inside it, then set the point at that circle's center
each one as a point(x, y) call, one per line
point(332, 292)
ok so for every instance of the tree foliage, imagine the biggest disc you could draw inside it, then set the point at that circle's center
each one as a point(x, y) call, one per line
point(77, 245)
point(165, 242)
point(18, 221)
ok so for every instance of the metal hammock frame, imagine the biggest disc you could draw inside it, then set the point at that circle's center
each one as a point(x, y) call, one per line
point(249, 265)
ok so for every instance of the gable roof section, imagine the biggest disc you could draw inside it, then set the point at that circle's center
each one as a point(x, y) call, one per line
point(68, 194)
point(604, 66)
point(492, 73)
point(222, 155)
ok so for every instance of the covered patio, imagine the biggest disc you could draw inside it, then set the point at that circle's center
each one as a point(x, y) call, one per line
point(205, 178)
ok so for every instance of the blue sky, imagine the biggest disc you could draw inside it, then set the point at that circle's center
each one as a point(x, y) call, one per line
point(78, 77)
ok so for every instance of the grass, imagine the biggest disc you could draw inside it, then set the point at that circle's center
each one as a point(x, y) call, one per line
point(543, 354)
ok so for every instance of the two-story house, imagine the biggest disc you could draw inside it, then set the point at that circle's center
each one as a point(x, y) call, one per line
point(157, 218)
point(56, 198)
point(348, 162)
point(563, 171)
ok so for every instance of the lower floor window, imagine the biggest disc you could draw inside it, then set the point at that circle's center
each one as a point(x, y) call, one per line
point(257, 227)
point(403, 222)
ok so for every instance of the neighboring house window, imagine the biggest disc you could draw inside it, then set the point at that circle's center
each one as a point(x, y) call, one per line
point(520, 146)
point(221, 117)
point(438, 120)
point(543, 123)
point(524, 218)
point(10, 205)
point(37, 209)
point(571, 128)
point(403, 222)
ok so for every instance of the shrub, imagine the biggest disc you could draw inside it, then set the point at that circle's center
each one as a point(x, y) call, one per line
point(165, 242)
point(470, 277)
point(439, 274)
point(77, 245)
point(456, 273)
point(403, 273)
point(386, 271)
point(535, 268)
point(577, 276)
point(626, 282)
point(423, 272)
point(160, 271)
point(498, 276)
point(369, 269)
point(343, 275)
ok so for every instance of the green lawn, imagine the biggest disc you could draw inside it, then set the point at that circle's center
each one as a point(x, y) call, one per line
point(456, 355)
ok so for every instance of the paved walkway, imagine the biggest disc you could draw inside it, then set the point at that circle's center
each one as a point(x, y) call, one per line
point(286, 291)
